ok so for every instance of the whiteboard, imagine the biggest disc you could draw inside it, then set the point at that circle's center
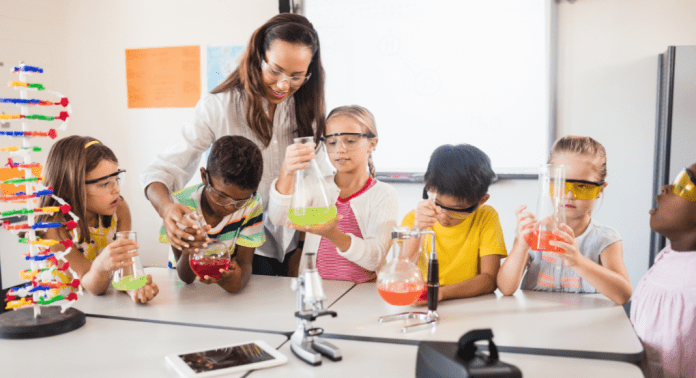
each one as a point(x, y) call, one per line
point(443, 72)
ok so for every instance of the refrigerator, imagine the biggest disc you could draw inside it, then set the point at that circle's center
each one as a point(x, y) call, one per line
point(675, 129)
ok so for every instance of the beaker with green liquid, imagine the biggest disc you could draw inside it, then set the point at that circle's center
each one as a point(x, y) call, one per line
point(311, 203)
point(131, 277)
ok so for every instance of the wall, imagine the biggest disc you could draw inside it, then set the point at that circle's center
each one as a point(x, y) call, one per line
point(606, 89)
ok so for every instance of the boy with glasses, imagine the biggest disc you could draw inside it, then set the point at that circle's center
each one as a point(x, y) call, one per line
point(468, 236)
point(231, 207)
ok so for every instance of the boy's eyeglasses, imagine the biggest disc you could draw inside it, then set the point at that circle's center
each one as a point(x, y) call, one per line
point(451, 212)
point(223, 199)
point(107, 183)
point(582, 190)
point(349, 141)
point(293, 81)
point(684, 185)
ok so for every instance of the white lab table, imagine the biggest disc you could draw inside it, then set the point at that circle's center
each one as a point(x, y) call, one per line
point(571, 325)
point(266, 303)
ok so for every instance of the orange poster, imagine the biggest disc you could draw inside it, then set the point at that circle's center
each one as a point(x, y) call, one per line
point(163, 77)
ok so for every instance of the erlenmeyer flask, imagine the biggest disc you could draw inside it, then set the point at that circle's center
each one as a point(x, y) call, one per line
point(209, 260)
point(400, 282)
point(310, 204)
point(130, 277)
point(550, 209)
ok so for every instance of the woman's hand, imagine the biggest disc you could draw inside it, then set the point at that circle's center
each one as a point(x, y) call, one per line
point(226, 274)
point(426, 215)
point(323, 230)
point(572, 254)
point(116, 255)
point(145, 293)
point(183, 233)
point(525, 225)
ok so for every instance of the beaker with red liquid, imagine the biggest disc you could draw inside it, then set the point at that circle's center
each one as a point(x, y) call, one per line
point(550, 209)
point(400, 282)
point(210, 260)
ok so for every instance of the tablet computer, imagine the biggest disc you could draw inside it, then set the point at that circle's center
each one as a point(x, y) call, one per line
point(226, 359)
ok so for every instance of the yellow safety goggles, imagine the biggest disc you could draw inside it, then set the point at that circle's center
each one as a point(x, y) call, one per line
point(684, 186)
point(582, 190)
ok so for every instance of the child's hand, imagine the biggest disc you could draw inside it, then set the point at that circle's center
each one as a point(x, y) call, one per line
point(297, 156)
point(116, 255)
point(426, 215)
point(525, 224)
point(322, 229)
point(226, 274)
point(572, 254)
point(145, 293)
point(181, 230)
point(423, 299)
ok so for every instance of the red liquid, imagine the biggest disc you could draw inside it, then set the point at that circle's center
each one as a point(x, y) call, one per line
point(209, 267)
point(539, 241)
point(400, 293)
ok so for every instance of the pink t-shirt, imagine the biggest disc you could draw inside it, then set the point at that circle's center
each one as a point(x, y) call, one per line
point(663, 314)
point(330, 264)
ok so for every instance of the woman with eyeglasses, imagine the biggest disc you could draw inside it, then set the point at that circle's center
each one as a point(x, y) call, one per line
point(592, 257)
point(351, 246)
point(275, 94)
point(84, 172)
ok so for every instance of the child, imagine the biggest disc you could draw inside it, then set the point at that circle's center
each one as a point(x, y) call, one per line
point(353, 245)
point(468, 237)
point(593, 257)
point(227, 199)
point(663, 312)
point(85, 173)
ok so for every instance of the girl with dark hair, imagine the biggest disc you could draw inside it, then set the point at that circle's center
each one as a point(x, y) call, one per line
point(275, 94)
point(85, 173)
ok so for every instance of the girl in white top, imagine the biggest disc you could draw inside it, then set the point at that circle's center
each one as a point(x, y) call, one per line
point(352, 246)
point(275, 94)
point(593, 260)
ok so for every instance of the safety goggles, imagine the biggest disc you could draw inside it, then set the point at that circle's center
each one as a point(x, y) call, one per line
point(108, 182)
point(684, 186)
point(450, 212)
point(349, 141)
point(223, 199)
point(582, 190)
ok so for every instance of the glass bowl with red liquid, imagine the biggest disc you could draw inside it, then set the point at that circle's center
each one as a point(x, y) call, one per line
point(210, 260)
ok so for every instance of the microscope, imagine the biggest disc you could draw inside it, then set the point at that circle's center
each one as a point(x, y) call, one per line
point(305, 342)
point(431, 317)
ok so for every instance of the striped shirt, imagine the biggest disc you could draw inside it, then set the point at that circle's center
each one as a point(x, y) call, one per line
point(245, 224)
point(330, 264)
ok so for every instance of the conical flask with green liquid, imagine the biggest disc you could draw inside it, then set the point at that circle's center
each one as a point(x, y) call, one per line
point(310, 204)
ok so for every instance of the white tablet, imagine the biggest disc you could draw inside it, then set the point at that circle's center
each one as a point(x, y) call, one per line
point(227, 359)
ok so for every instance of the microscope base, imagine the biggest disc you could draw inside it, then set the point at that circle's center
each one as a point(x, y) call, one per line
point(310, 350)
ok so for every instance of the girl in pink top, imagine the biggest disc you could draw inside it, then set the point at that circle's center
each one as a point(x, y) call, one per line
point(354, 244)
point(663, 312)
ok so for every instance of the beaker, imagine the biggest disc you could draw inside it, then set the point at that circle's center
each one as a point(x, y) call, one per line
point(550, 209)
point(209, 260)
point(131, 277)
point(310, 204)
point(400, 282)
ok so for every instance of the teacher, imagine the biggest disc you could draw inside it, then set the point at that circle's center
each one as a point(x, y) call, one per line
point(275, 94)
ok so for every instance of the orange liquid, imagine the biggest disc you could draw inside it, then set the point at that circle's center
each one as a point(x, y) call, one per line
point(400, 293)
point(539, 241)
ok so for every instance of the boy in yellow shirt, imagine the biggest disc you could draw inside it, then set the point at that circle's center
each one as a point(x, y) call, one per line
point(468, 236)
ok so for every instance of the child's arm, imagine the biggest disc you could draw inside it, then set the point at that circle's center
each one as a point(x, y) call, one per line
point(297, 156)
point(510, 274)
point(610, 278)
point(425, 217)
point(482, 283)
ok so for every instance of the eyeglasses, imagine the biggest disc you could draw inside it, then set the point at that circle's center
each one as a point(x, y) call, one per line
point(108, 183)
point(349, 141)
point(223, 199)
point(684, 186)
point(451, 212)
point(293, 81)
point(582, 190)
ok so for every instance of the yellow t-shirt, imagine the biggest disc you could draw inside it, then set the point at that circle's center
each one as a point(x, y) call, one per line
point(460, 247)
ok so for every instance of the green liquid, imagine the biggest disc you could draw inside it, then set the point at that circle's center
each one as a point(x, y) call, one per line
point(130, 283)
point(313, 216)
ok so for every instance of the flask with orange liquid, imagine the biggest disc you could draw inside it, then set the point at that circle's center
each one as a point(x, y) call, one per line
point(400, 282)
point(550, 209)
